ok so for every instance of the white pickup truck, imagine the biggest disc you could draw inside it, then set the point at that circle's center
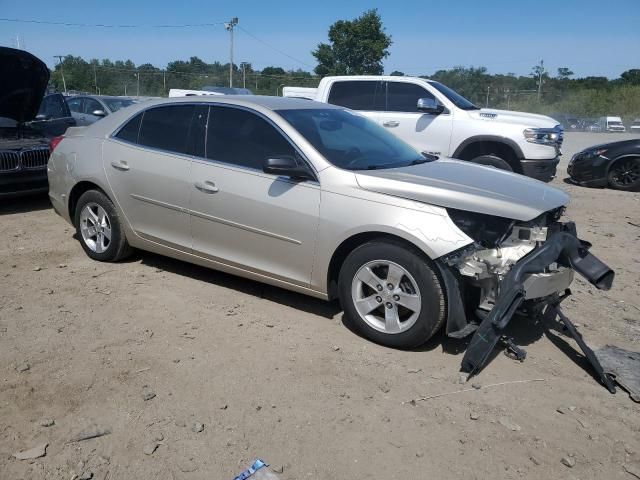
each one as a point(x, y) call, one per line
point(437, 120)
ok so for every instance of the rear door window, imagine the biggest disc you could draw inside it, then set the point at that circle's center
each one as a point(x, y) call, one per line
point(167, 128)
point(365, 95)
point(129, 132)
point(403, 97)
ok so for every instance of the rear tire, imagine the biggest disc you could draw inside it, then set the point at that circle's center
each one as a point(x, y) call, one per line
point(391, 294)
point(99, 228)
point(492, 161)
point(624, 174)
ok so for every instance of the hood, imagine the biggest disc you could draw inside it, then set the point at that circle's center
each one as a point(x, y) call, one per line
point(23, 81)
point(516, 118)
point(633, 143)
point(466, 186)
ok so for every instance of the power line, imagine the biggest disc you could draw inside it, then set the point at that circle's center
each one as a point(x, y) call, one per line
point(274, 48)
point(104, 25)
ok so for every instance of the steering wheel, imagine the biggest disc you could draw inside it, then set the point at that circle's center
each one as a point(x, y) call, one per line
point(354, 154)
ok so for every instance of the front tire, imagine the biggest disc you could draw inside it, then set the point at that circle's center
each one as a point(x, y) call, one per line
point(624, 174)
point(99, 228)
point(391, 294)
point(492, 161)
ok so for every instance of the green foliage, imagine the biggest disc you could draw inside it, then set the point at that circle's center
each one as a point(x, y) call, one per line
point(357, 47)
point(125, 78)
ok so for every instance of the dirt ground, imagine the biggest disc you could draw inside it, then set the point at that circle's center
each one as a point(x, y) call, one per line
point(276, 375)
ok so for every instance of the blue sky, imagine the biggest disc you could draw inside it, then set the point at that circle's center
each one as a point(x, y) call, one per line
point(592, 37)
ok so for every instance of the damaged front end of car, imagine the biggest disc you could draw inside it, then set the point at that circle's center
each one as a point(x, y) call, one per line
point(512, 266)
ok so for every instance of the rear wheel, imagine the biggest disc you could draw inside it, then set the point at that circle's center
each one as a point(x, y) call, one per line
point(624, 174)
point(492, 161)
point(391, 294)
point(99, 229)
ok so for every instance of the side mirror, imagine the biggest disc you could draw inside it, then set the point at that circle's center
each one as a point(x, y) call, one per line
point(41, 117)
point(99, 113)
point(429, 105)
point(287, 167)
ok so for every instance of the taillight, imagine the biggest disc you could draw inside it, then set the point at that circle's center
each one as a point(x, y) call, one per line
point(53, 143)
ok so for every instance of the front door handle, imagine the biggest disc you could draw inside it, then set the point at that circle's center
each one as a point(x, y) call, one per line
point(207, 187)
point(120, 165)
point(391, 123)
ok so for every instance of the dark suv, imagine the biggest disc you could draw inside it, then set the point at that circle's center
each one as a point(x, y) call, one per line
point(27, 122)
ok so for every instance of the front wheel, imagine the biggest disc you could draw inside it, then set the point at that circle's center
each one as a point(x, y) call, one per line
point(492, 161)
point(624, 174)
point(99, 229)
point(391, 294)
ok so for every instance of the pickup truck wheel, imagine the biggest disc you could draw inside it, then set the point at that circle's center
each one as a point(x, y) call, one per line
point(391, 294)
point(99, 229)
point(624, 174)
point(492, 161)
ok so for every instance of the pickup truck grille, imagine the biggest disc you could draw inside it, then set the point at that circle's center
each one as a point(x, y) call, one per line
point(32, 159)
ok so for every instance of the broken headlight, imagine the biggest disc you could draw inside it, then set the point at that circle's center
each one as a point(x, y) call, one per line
point(486, 230)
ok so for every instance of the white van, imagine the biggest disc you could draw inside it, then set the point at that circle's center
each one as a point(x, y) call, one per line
point(612, 124)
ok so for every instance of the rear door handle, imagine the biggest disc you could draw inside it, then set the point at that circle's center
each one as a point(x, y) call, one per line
point(120, 165)
point(207, 187)
point(391, 123)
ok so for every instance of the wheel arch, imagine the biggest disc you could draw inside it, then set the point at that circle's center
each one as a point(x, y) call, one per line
point(354, 241)
point(621, 157)
point(77, 191)
point(479, 145)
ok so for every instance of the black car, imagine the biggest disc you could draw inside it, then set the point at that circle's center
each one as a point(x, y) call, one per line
point(28, 121)
point(616, 165)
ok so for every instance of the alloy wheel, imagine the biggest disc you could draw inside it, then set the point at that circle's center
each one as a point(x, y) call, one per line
point(626, 172)
point(386, 296)
point(95, 227)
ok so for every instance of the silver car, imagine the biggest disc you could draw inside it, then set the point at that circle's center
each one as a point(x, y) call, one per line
point(88, 109)
point(319, 200)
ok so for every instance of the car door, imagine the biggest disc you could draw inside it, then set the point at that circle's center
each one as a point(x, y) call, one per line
point(54, 116)
point(426, 132)
point(367, 97)
point(148, 163)
point(243, 217)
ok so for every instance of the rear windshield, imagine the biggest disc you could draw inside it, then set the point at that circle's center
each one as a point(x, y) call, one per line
point(116, 104)
point(350, 141)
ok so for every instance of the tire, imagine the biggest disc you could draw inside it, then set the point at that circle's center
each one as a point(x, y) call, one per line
point(492, 161)
point(419, 289)
point(96, 216)
point(624, 174)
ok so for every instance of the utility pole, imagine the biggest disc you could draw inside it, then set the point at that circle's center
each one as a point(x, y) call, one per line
point(229, 26)
point(95, 79)
point(64, 84)
point(164, 81)
point(137, 84)
point(540, 72)
point(244, 77)
point(487, 102)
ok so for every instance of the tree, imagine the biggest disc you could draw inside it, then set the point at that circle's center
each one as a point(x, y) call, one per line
point(564, 73)
point(397, 73)
point(631, 77)
point(357, 47)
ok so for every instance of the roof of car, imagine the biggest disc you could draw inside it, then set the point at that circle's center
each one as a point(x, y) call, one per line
point(268, 102)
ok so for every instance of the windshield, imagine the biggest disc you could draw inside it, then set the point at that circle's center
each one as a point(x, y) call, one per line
point(350, 141)
point(615, 122)
point(453, 96)
point(116, 104)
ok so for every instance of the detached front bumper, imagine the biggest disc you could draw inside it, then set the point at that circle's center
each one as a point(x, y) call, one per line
point(543, 170)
